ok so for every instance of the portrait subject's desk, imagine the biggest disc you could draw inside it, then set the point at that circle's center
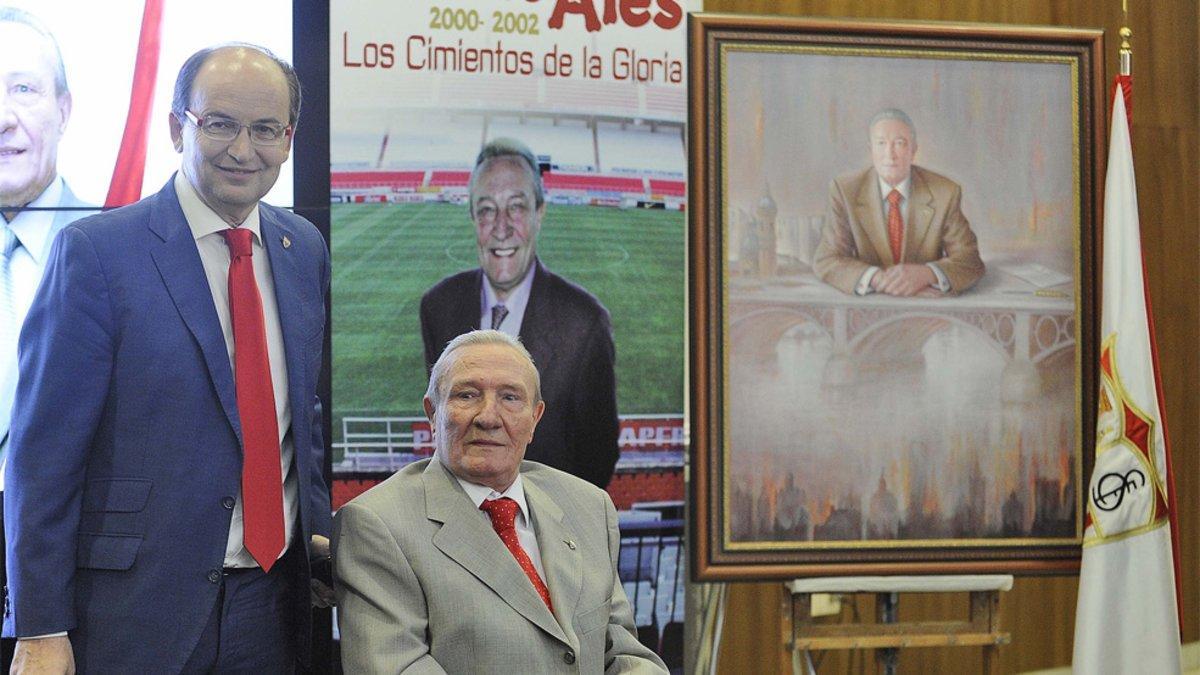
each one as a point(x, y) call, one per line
point(1022, 322)
point(886, 635)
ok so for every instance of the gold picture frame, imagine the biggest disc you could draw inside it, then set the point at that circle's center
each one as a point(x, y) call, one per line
point(834, 433)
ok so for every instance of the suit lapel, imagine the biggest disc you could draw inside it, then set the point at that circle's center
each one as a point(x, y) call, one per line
point(464, 316)
point(868, 210)
point(560, 555)
point(920, 212)
point(467, 539)
point(537, 330)
point(287, 276)
point(182, 272)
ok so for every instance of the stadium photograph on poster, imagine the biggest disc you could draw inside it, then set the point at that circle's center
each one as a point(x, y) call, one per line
point(898, 319)
point(588, 255)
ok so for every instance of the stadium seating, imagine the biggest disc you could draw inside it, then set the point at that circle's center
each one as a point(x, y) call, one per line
point(668, 188)
point(365, 180)
point(450, 179)
point(590, 183)
point(427, 155)
point(563, 142)
point(641, 149)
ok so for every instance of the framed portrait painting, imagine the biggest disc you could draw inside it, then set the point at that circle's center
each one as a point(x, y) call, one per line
point(892, 286)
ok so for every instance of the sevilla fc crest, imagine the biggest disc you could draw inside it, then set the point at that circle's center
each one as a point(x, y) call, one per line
point(1127, 494)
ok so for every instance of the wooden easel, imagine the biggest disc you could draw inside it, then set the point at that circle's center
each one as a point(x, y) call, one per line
point(886, 635)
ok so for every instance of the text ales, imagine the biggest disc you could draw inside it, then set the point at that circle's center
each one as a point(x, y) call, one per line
point(665, 14)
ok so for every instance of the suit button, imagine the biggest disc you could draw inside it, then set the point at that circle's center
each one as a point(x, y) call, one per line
point(569, 657)
point(214, 576)
point(228, 502)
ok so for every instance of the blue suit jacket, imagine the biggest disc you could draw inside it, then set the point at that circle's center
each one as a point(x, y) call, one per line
point(126, 440)
point(72, 212)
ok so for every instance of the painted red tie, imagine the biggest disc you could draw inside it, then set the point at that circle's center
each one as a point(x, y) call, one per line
point(895, 225)
point(503, 513)
point(262, 482)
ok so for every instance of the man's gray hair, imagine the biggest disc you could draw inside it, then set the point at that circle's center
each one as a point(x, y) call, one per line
point(435, 391)
point(508, 148)
point(894, 114)
point(14, 15)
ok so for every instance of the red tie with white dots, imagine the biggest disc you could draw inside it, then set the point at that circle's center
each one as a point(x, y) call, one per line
point(503, 513)
point(262, 482)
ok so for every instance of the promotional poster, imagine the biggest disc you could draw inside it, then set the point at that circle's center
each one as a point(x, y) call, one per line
point(596, 92)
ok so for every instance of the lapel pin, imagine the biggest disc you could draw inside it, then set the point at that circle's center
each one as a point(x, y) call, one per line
point(287, 243)
point(570, 544)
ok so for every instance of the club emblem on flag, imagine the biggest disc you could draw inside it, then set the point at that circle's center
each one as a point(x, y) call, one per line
point(1127, 494)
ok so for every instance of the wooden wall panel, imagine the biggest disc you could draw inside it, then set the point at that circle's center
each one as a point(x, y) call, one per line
point(1040, 612)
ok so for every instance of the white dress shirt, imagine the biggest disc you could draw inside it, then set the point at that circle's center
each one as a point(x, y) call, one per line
point(206, 227)
point(28, 262)
point(523, 523)
point(29, 259)
point(904, 188)
point(517, 300)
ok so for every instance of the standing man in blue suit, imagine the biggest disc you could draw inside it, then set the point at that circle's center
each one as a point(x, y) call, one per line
point(35, 202)
point(151, 528)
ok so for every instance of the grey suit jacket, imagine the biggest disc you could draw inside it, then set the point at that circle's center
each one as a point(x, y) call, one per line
point(425, 585)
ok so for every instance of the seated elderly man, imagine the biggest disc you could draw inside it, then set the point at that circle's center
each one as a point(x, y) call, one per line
point(474, 560)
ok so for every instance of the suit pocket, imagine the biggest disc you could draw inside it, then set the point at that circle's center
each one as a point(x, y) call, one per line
point(116, 495)
point(593, 618)
point(107, 551)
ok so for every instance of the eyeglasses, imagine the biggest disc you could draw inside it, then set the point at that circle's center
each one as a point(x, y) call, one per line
point(225, 129)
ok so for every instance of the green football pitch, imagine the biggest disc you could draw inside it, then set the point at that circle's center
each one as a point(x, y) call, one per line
point(385, 256)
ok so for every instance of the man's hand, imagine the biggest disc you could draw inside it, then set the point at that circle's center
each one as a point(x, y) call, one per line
point(322, 594)
point(49, 656)
point(904, 280)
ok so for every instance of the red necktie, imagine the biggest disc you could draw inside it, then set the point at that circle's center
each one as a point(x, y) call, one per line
point(503, 513)
point(895, 225)
point(262, 482)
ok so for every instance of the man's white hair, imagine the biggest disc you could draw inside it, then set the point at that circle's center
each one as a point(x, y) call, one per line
point(436, 393)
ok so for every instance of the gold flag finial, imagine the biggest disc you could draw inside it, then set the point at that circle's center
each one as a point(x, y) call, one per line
point(1126, 53)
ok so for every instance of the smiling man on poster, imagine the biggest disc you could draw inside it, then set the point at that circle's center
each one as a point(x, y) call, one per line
point(35, 202)
point(165, 487)
point(565, 328)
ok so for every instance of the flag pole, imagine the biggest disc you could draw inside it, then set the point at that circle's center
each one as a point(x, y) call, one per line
point(1124, 79)
point(1126, 53)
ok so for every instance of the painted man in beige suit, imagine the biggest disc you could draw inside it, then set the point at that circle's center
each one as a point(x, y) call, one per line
point(426, 584)
point(938, 253)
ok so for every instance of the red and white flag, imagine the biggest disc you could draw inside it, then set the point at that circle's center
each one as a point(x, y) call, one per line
point(1127, 618)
